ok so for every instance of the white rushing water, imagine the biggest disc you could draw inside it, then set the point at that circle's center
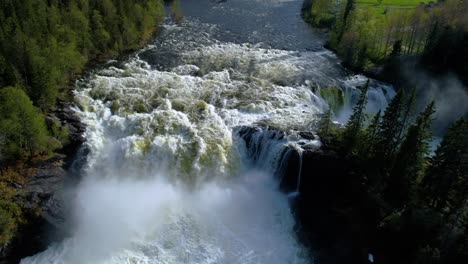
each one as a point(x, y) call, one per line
point(168, 177)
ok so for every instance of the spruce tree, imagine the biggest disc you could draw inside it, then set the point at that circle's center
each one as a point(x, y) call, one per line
point(371, 134)
point(355, 122)
point(406, 113)
point(445, 186)
point(389, 129)
point(411, 160)
point(325, 126)
point(22, 124)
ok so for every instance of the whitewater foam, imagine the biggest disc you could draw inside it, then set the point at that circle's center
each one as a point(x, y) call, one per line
point(168, 177)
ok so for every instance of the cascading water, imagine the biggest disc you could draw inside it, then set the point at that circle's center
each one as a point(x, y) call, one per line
point(169, 177)
point(299, 151)
point(184, 140)
point(378, 97)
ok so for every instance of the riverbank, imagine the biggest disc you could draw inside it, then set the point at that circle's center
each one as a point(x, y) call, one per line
point(368, 38)
point(38, 190)
point(33, 202)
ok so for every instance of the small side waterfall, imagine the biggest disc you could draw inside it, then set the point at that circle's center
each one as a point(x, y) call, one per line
point(379, 95)
point(264, 149)
point(273, 150)
point(300, 153)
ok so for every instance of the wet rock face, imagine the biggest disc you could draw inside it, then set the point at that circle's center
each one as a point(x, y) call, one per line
point(41, 190)
point(326, 220)
point(42, 206)
point(76, 128)
point(289, 176)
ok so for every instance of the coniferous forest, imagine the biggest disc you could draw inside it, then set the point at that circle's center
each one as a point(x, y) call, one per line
point(377, 188)
point(44, 46)
point(414, 202)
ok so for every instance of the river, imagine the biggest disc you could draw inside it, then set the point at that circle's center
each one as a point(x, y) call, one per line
point(181, 167)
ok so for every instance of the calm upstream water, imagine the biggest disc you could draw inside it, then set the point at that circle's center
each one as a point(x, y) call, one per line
point(171, 176)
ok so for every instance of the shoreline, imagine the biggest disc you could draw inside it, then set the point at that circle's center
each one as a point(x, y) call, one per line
point(41, 194)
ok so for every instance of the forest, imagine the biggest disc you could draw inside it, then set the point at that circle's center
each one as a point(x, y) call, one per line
point(411, 201)
point(370, 35)
point(44, 46)
point(404, 196)
point(415, 201)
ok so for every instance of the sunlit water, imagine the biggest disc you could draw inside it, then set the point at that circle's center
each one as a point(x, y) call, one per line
point(169, 177)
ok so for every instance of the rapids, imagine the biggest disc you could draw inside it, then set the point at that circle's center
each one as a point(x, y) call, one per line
point(170, 176)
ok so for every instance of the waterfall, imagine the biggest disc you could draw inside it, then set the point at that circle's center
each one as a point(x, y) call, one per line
point(181, 165)
point(300, 152)
point(187, 140)
point(378, 96)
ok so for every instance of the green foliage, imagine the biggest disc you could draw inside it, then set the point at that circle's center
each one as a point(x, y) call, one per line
point(21, 124)
point(420, 202)
point(410, 3)
point(363, 33)
point(326, 129)
point(353, 128)
point(411, 162)
point(446, 183)
point(388, 131)
point(321, 13)
point(334, 97)
point(50, 41)
point(44, 44)
point(60, 132)
point(349, 7)
point(9, 213)
point(371, 136)
point(176, 11)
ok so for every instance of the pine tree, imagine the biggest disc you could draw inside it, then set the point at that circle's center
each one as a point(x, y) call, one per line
point(355, 122)
point(411, 162)
point(446, 184)
point(325, 126)
point(21, 123)
point(406, 113)
point(389, 129)
point(371, 135)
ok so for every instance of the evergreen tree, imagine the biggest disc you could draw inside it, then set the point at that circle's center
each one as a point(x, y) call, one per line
point(411, 162)
point(389, 129)
point(371, 135)
point(21, 123)
point(325, 126)
point(406, 113)
point(445, 186)
point(397, 49)
point(354, 125)
point(44, 43)
point(9, 214)
point(101, 37)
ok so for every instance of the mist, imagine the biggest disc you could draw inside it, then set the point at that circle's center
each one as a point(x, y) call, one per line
point(154, 221)
point(448, 92)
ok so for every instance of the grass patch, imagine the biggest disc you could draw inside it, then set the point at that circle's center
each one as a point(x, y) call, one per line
point(393, 3)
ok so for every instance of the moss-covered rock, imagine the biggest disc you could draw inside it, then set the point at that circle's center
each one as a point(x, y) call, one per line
point(334, 97)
